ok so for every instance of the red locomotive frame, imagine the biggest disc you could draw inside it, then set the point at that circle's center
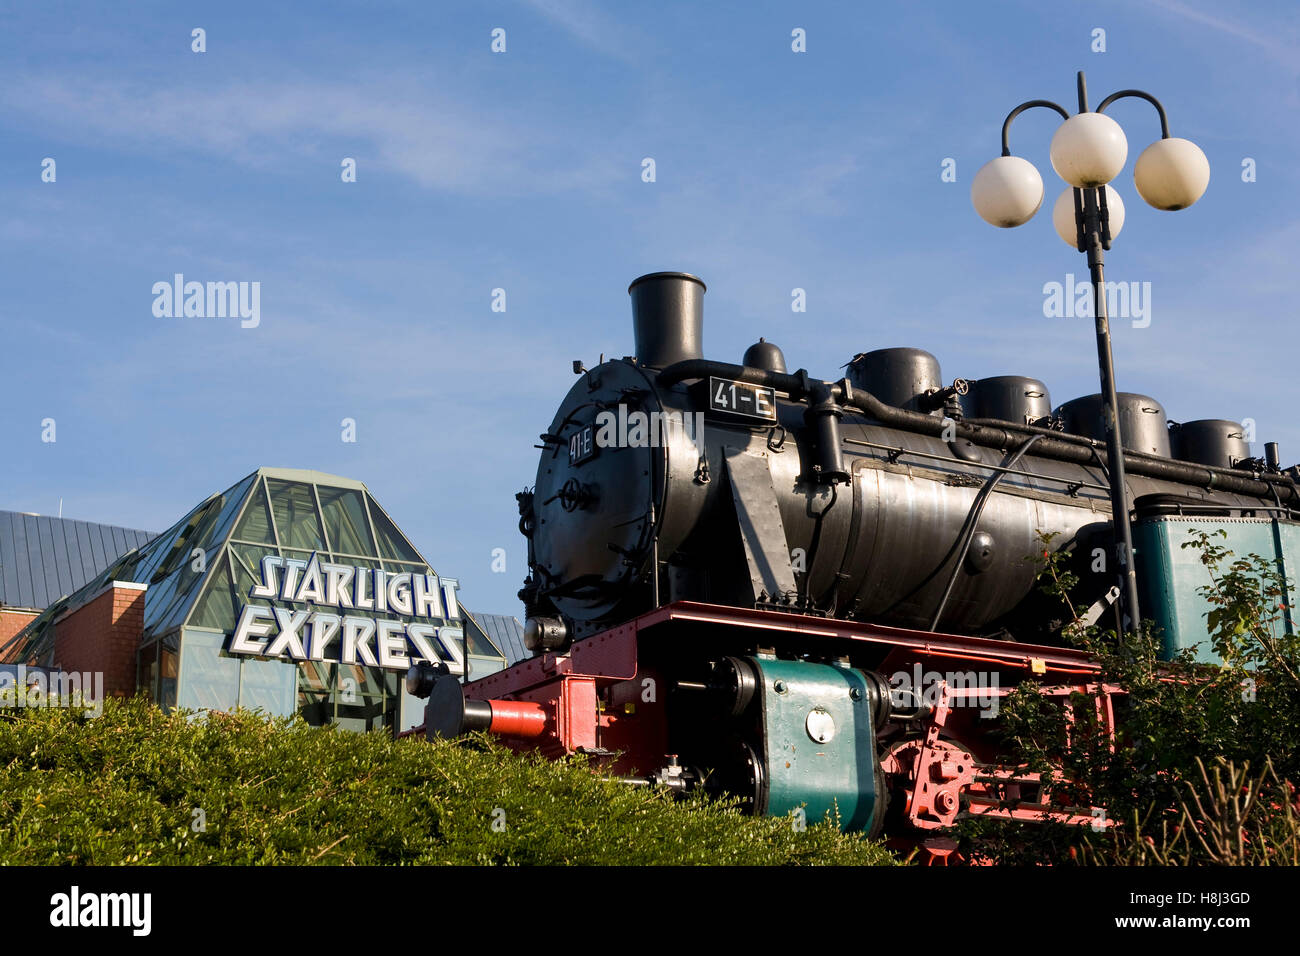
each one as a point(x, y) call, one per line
point(605, 696)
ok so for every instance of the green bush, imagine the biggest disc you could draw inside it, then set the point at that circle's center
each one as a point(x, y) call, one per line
point(1207, 756)
point(128, 788)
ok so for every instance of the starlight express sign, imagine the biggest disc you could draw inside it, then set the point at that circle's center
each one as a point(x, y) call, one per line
point(308, 634)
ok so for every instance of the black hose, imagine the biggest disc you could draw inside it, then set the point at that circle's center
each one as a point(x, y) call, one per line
point(796, 385)
point(1035, 430)
point(806, 595)
point(972, 520)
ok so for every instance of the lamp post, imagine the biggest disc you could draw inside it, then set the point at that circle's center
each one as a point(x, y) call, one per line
point(1088, 151)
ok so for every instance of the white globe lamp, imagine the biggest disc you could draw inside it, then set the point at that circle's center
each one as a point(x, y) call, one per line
point(1171, 173)
point(1007, 191)
point(1063, 215)
point(1089, 149)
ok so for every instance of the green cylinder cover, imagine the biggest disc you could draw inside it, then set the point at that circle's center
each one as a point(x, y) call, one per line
point(819, 742)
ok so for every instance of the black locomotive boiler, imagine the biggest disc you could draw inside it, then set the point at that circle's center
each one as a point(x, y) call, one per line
point(887, 496)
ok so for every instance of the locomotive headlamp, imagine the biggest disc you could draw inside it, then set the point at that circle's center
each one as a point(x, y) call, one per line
point(545, 634)
point(1088, 151)
point(421, 677)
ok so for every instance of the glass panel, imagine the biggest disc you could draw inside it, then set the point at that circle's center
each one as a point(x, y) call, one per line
point(157, 599)
point(209, 523)
point(270, 686)
point(158, 549)
point(178, 593)
point(479, 643)
point(296, 519)
point(371, 715)
point(167, 678)
point(345, 520)
point(189, 577)
point(256, 523)
point(316, 707)
point(358, 681)
point(315, 703)
point(353, 696)
point(147, 675)
point(192, 533)
point(232, 498)
point(412, 711)
point(248, 567)
point(146, 560)
point(217, 607)
point(314, 677)
point(175, 614)
point(385, 679)
point(124, 569)
point(482, 666)
point(211, 678)
point(391, 542)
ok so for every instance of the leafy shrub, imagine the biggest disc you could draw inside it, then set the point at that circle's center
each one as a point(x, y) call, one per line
point(128, 788)
point(1204, 766)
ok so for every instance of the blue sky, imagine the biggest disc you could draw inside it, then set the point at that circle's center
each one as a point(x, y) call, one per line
point(522, 171)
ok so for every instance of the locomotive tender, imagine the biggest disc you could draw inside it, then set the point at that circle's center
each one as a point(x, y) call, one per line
point(740, 576)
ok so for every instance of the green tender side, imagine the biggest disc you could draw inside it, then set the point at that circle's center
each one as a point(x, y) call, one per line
point(1171, 575)
point(840, 772)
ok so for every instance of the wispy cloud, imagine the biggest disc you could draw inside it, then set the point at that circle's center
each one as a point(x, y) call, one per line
point(1276, 42)
point(586, 22)
point(429, 139)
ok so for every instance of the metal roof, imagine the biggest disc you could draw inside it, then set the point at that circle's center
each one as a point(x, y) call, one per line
point(43, 558)
point(312, 476)
point(506, 633)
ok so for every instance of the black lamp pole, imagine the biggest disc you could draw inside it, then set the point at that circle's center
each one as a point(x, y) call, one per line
point(1093, 224)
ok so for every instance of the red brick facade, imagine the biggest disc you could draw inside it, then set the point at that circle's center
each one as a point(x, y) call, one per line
point(103, 635)
point(12, 621)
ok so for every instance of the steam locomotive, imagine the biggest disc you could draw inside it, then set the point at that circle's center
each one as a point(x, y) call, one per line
point(812, 594)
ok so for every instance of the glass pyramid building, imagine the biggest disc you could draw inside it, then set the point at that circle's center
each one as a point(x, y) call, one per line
point(201, 574)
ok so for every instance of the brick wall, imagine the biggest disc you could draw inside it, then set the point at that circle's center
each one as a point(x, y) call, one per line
point(13, 620)
point(103, 635)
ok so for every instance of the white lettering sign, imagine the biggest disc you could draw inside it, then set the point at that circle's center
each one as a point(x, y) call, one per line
point(306, 634)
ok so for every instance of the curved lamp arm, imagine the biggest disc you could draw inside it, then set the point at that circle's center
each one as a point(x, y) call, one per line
point(1006, 124)
point(1164, 120)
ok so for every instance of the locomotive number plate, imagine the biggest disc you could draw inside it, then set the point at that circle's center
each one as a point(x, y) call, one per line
point(742, 398)
point(582, 445)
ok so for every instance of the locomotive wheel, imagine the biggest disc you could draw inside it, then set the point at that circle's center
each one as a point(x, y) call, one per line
point(738, 771)
point(943, 795)
point(883, 803)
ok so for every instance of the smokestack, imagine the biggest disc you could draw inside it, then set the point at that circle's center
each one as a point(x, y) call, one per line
point(667, 318)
